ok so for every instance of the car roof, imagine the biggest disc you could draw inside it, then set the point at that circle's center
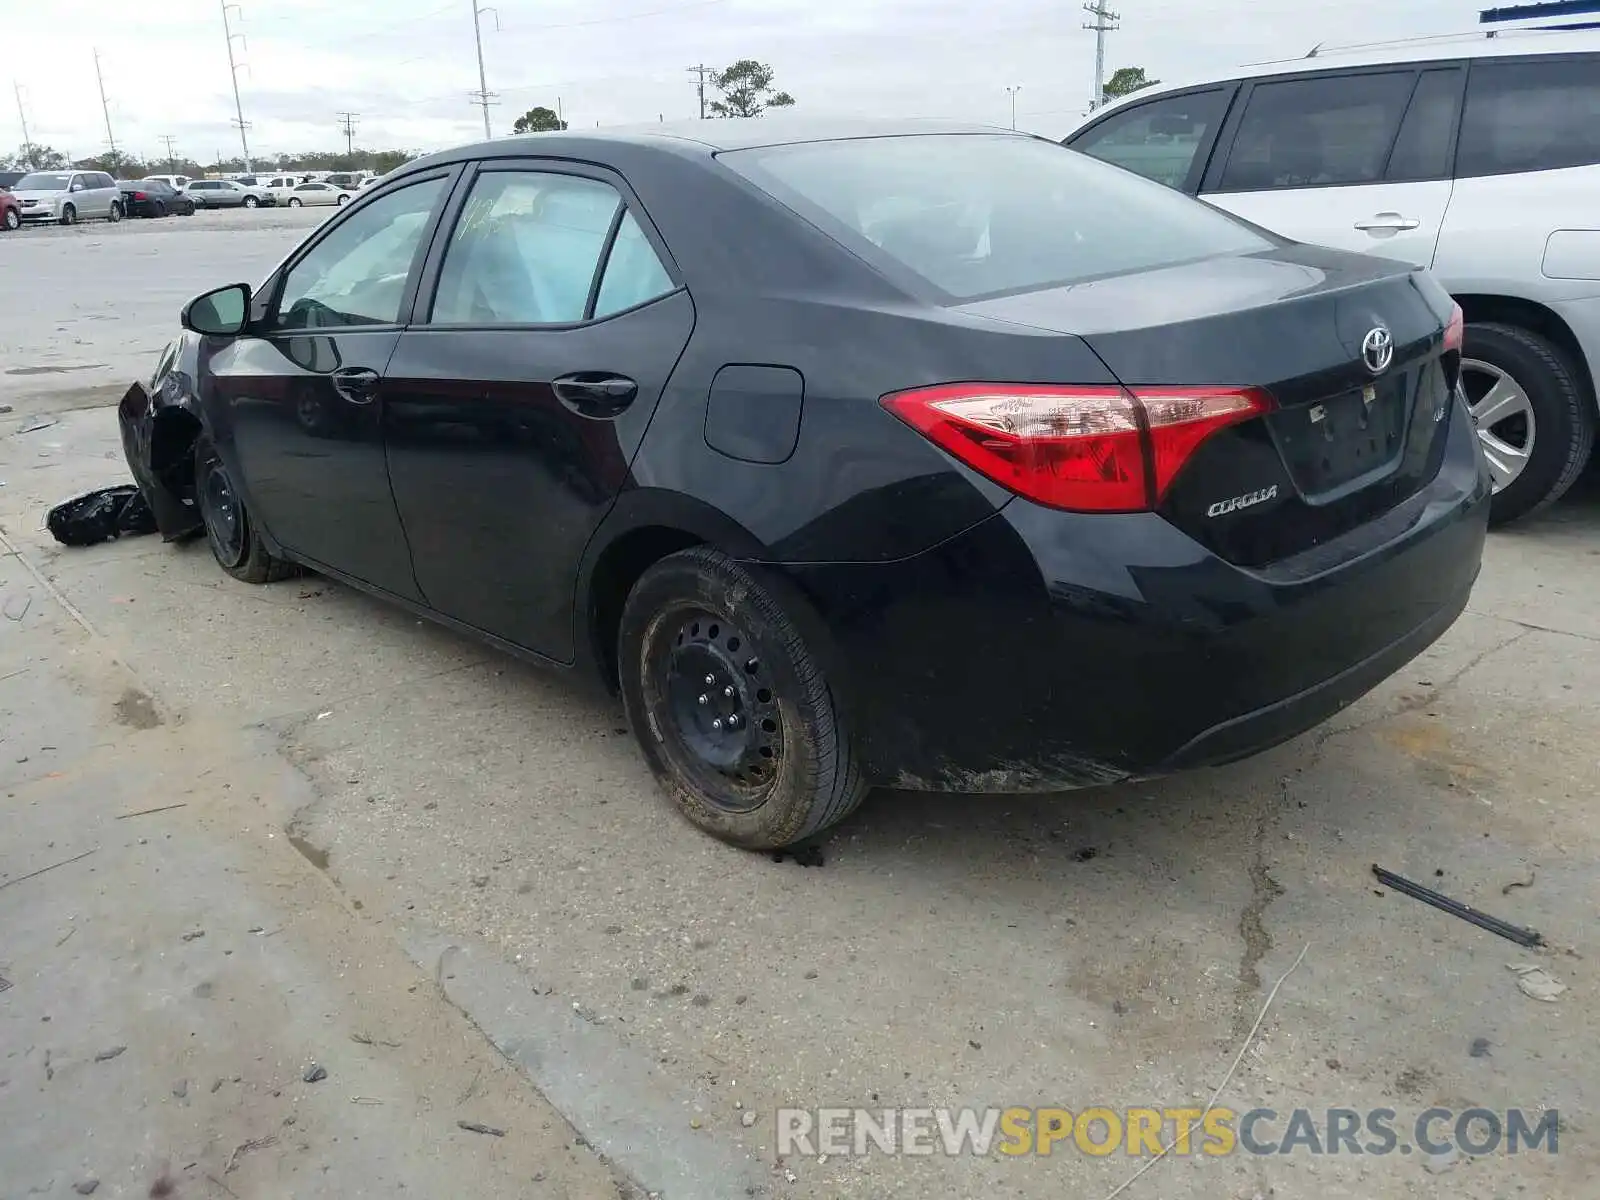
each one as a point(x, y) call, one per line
point(1499, 43)
point(699, 137)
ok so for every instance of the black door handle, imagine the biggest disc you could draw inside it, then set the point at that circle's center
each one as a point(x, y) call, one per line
point(356, 384)
point(595, 394)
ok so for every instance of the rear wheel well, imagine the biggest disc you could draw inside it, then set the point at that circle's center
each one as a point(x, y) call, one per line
point(1535, 318)
point(619, 568)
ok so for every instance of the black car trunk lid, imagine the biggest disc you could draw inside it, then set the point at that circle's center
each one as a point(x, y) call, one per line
point(1348, 348)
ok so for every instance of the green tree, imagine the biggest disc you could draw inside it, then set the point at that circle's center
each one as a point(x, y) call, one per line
point(538, 120)
point(35, 158)
point(1125, 81)
point(746, 89)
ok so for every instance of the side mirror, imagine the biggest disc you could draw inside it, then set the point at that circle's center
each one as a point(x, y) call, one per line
point(220, 313)
point(77, 187)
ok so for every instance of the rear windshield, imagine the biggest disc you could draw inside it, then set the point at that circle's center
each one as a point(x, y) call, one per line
point(983, 214)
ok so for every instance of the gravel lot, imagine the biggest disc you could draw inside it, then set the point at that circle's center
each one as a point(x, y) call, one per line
point(1106, 948)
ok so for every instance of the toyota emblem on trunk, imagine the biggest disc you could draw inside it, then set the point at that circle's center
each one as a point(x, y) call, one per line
point(1377, 349)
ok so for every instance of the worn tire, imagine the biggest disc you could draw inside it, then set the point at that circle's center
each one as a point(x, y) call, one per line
point(817, 779)
point(1563, 412)
point(69, 215)
point(240, 552)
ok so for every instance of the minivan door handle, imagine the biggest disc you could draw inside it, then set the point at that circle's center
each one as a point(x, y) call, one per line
point(598, 395)
point(356, 384)
point(1387, 222)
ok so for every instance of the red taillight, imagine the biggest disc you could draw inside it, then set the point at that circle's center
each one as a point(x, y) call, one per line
point(1454, 328)
point(140, 196)
point(1089, 449)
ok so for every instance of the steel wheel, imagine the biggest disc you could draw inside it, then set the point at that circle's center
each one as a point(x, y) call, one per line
point(223, 516)
point(1503, 417)
point(724, 717)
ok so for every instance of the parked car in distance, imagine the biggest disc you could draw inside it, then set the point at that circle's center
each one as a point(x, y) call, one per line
point(68, 196)
point(347, 180)
point(1062, 479)
point(10, 212)
point(1478, 157)
point(176, 182)
point(226, 193)
point(8, 179)
point(154, 197)
point(317, 192)
point(370, 181)
point(279, 186)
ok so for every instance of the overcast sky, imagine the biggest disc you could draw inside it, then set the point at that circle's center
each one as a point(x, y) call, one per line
point(407, 66)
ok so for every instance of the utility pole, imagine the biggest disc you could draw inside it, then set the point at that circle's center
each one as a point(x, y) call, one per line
point(701, 72)
point(172, 158)
point(233, 74)
point(347, 121)
point(1013, 93)
point(22, 115)
point(105, 109)
point(483, 95)
point(1105, 21)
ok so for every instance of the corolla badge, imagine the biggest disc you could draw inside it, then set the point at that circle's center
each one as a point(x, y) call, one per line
point(1377, 349)
point(1249, 500)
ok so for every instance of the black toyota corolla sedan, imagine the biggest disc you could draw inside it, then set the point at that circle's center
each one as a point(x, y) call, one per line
point(939, 458)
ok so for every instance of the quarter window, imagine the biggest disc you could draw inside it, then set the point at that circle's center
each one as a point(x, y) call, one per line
point(525, 250)
point(1159, 139)
point(1334, 129)
point(634, 273)
point(1531, 116)
point(357, 274)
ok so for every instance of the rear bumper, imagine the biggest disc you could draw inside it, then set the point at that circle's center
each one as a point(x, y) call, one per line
point(1043, 650)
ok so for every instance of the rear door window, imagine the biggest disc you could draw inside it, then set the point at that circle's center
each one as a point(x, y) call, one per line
point(1531, 116)
point(985, 214)
point(1158, 139)
point(1320, 132)
point(525, 250)
point(1427, 136)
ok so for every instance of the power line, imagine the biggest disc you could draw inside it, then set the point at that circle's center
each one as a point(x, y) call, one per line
point(1105, 21)
point(701, 72)
point(483, 96)
point(233, 75)
point(172, 158)
point(105, 108)
point(347, 122)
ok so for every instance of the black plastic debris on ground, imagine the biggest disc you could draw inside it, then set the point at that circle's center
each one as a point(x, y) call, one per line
point(111, 512)
point(803, 856)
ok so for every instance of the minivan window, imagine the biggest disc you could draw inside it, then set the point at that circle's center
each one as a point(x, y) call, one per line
point(1157, 139)
point(1531, 116)
point(984, 214)
point(1334, 129)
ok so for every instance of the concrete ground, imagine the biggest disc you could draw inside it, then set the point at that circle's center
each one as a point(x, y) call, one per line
point(445, 849)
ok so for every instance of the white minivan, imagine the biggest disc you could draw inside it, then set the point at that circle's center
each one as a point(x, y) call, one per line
point(1477, 156)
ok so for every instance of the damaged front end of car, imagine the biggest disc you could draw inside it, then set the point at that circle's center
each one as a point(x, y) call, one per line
point(160, 422)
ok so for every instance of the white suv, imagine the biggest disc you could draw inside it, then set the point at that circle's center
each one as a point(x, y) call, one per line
point(1476, 156)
